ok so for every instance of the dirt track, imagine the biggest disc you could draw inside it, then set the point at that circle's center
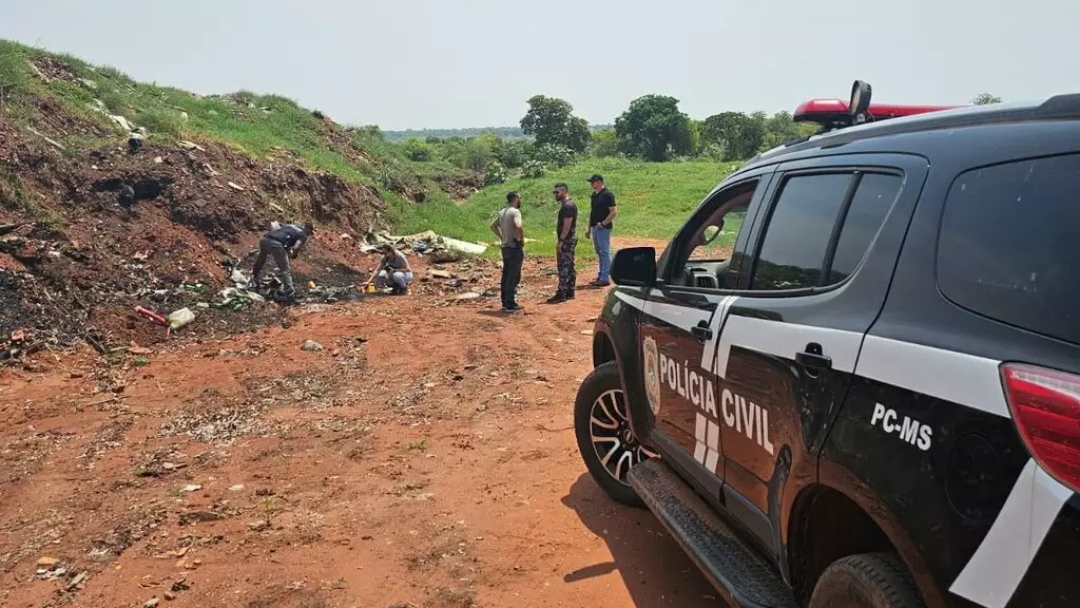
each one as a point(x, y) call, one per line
point(425, 457)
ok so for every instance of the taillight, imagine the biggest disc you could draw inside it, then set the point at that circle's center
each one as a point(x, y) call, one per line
point(1045, 406)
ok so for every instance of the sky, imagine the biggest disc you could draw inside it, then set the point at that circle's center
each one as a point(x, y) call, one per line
point(473, 63)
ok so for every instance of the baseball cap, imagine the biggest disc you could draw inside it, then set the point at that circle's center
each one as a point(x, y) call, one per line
point(596, 178)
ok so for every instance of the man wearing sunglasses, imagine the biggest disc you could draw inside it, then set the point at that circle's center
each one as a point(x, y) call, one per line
point(566, 235)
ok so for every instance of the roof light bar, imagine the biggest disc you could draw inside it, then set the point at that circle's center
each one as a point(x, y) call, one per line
point(836, 113)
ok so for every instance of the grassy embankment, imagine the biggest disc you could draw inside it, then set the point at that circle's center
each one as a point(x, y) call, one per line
point(654, 200)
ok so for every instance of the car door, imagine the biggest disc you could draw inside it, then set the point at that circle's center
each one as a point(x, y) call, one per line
point(678, 331)
point(824, 250)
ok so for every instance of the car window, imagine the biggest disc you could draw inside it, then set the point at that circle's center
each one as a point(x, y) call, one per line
point(703, 248)
point(873, 198)
point(799, 230)
point(1007, 248)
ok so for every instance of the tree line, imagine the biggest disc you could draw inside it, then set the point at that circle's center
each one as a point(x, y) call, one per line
point(652, 128)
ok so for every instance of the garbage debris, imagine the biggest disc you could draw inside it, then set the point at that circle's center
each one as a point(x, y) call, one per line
point(440, 248)
point(180, 318)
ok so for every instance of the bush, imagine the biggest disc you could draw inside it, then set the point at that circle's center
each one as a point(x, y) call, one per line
point(533, 169)
point(554, 155)
point(495, 173)
point(417, 150)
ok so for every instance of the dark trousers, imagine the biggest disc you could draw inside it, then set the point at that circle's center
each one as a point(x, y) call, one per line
point(512, 258)
point(269, 247)
point(567, 269)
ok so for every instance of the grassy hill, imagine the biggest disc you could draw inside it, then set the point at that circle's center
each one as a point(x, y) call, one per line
point(654, 200)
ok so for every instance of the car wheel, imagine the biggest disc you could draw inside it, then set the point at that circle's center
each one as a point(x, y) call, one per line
point(870, 580)
point(605, 440)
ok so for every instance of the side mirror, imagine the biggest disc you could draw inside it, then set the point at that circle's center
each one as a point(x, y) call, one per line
point(860, 100)
point(634, 266)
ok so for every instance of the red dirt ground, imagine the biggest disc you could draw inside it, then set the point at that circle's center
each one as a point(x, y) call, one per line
point(424, 458)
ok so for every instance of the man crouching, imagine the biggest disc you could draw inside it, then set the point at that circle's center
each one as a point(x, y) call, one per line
point(394, 270)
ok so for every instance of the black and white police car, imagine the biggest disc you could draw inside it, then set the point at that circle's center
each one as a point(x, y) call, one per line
point(853, 376)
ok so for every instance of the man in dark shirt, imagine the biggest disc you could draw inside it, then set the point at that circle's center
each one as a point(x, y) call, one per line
point(601, 220)
point(280, 244)
point(566, 235)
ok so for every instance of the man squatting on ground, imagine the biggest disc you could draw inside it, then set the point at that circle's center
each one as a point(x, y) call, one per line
point(601, 219)
point(281, 243)
point(394, 269)
point(508, 227)
point(566, 233)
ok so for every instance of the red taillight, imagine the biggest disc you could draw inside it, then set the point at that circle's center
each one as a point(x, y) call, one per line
point(1045, 406)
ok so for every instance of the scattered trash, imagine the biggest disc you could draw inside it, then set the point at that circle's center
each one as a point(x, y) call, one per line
point(180, 318)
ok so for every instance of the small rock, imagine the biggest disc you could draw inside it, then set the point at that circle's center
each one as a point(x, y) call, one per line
point(48, 561)
point(237, 488)
point(90, 84)
point(150, 603)
point(236, 186)
point(586, 332)
point(158, 160)
point(311, 346)
point(472, 295)
point(191, 488)
point(261, 524)
point(169, 596)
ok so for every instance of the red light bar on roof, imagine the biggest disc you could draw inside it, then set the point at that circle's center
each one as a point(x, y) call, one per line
point(832, 113)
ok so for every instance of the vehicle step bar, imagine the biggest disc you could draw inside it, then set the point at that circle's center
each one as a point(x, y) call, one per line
point(738, 573)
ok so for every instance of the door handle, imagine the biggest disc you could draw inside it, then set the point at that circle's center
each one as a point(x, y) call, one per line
point(813, 358)
point(701, 332)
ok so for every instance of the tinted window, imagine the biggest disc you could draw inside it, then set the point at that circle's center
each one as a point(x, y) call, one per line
point(1009, 243)
point(799, 230)
point(871, 203)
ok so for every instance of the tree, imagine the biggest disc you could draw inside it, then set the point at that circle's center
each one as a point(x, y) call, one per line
point(734, 134)
point(654, 128)
point(985, 99)
point(604, 143)
point(551, 120)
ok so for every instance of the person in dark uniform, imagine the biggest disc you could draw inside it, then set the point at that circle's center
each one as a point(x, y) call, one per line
point(566, 235)
point(282, 243)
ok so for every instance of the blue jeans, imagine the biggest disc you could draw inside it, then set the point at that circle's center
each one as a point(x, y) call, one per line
point(601, 238)
point(401, 279)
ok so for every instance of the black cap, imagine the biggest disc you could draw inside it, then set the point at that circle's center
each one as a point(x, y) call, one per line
point(596, 177)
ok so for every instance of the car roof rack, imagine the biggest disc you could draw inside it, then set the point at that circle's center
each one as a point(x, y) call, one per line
point(833, 114)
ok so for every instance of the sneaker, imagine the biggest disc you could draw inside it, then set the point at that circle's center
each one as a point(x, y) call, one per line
point(557, 299)
point(513, 308)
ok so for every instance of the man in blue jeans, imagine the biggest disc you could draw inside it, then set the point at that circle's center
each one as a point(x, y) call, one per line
point(601, 220)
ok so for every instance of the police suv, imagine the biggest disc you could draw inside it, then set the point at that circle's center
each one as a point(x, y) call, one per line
point(853, 376)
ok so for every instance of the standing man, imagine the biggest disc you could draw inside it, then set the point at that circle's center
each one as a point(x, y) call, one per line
point(566, 235)
point(508, 227)
point(282, 243)
point(601, 219)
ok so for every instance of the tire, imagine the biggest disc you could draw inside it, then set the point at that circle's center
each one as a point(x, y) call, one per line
point(870, 580)
point(604, 438)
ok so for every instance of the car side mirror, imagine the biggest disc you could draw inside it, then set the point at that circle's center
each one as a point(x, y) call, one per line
point(634, 266)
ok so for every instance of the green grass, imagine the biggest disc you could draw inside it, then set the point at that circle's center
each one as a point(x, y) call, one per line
point(654, 200)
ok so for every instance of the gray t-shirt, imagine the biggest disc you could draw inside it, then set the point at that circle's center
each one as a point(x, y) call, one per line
point(509, 220)
point(398, 262)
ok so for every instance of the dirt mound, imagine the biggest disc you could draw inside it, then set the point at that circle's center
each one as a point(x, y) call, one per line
point(88, 235)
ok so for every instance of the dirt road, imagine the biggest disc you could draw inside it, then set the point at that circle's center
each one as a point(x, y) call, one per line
point(424, 457)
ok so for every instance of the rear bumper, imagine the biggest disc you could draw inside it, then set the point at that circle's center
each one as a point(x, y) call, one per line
point(1053, 580)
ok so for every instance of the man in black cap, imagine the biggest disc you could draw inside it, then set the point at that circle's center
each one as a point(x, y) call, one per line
point(566, 235)
point(508, 227)
point(282, 243)
point(601, 220)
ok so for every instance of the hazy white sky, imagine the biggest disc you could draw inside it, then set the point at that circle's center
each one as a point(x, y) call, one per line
point(464, 63)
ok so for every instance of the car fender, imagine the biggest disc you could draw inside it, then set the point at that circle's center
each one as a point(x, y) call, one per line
point(619, 324)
